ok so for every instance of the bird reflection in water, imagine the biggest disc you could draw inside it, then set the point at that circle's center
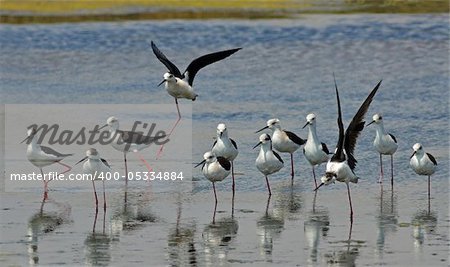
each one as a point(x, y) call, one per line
point(316, 225)
point(347, 256)
point(387, 219)
point(217, 237)
point(44, 222)
point(98, 249)
point(288, 202)
point(132, 213)
point(181, 246)
point(269, 227)
point(424, 224)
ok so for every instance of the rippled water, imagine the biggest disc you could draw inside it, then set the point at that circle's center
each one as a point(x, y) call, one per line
point(284, 70)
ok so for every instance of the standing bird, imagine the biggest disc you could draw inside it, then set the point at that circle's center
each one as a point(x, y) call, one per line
point(341, 165)
point(225, 147)
point(215, 169)
point(179, 85)
point(42, 156)
point(97, 168)
point(284, 141)
point(126, 141)
point(423, 164)
point(268, 161)
point(385, 143)
point(315, 151)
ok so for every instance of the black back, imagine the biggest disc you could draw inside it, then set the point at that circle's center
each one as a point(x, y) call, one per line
point(51, 151)
point(224, 163)
point(432, 158)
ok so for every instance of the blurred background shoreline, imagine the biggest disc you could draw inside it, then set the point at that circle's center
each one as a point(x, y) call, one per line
point(57, 11)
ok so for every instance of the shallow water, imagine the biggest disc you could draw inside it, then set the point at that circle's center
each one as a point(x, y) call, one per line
point(285, 71)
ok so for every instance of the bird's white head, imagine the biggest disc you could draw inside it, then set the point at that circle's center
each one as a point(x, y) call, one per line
point(112, 122)
point(264, 140)
point(310, 119)
point(377, 119)
point(273, 124)
point(169, 77)
point(417, 147)
point(30, 134)
point(92, 153)
point(209, 157)
point(221, 130)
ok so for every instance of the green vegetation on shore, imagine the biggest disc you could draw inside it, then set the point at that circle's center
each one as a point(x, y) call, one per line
point(48, 11)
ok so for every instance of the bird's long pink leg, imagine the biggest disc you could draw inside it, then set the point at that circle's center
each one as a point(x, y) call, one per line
point(95, 195)
point(314, 175)
point(268, 186)
point(350, 201)
point(171, 130)
point(429, 195)
point(68, 168)
point(126, 168)
point(381, 170)
point(292, 168)
point(141, 158)
point(232, 175)
point(215, 204)
point(104, 197)
point(45, 185)
point(392, 171)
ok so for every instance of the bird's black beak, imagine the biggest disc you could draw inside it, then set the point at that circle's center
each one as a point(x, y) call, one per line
point(370, 123)
point(413, 154)
point(26, 138)
point(306, 124)
point(163, 81)
point(318, 187)
point(81, 160)
point(203, 161)
point(262, 129)
point(103, 126)
point(257, 145)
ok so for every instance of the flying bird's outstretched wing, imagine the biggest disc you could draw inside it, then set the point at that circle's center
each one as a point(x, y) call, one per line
point(169, 65)
point(356, 126)
point(339, 154)
point(205, 60)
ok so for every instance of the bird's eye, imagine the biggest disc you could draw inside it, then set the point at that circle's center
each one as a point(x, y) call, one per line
point(380, 118)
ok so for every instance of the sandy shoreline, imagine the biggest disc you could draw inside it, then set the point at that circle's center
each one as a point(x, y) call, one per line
point(44, 11)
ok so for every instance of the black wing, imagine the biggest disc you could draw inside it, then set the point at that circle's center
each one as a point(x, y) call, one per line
point(295, 138)
point(432, 159)
point(393, 137)
point(278, 156)
point(233, 143)
point(205, 60)
point(51, 151)
point(339, 155)
point(169, 65)
point(137, 137)
point(224, 163)
point(325, 148)
point(105, 162)
point(356, 126)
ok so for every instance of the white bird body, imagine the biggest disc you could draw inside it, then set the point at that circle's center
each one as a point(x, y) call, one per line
point(267, 162)
point(314, 149)
point(422, 163)
point(224, 146)
point(95, 166)
point(40, 158)
point(384, 142)
point(179, 88)
point(121, 141)
point(341, 171)
point(281, 141)
point(214, 172)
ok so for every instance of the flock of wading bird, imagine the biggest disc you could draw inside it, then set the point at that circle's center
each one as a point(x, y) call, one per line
point(218, 163)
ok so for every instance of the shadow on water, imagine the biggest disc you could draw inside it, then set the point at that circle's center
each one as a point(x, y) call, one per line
point(181, 244)
point(387, 218)
point(217, 237)
point(269, 227)
point(316, 226)
point(133, 213)
point(45, 222)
